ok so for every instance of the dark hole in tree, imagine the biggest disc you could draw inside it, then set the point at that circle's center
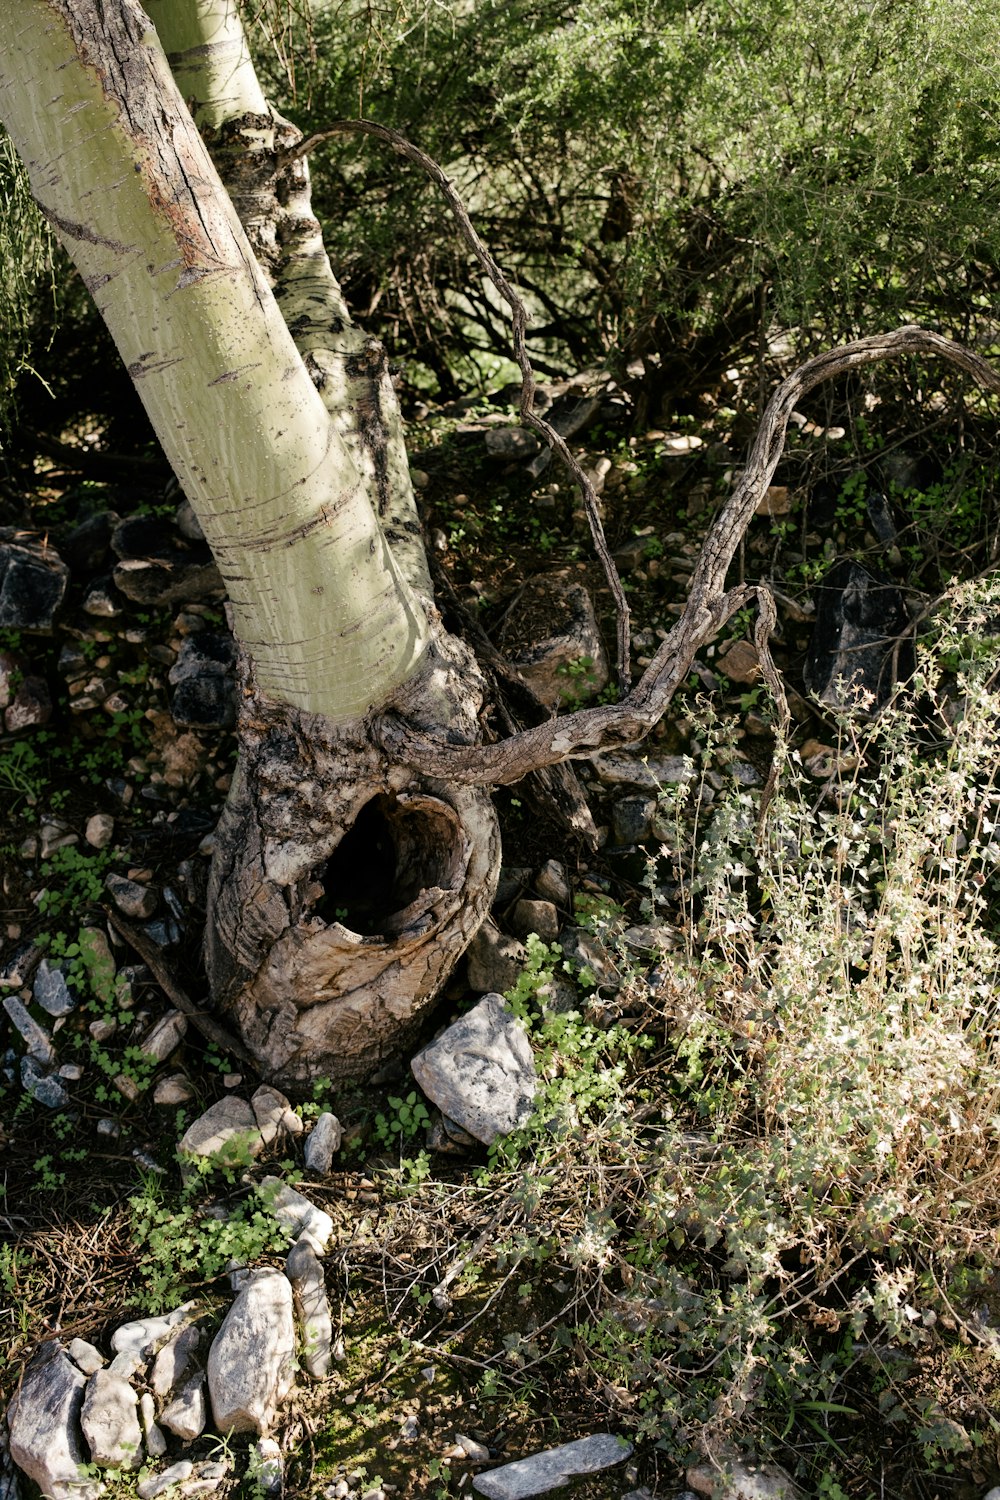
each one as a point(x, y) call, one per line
point(392, 851)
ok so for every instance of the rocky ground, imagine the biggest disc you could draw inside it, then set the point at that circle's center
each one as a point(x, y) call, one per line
point(117, 695)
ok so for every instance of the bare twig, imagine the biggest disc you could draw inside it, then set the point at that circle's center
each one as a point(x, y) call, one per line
point(707, 608)
point(519, 324)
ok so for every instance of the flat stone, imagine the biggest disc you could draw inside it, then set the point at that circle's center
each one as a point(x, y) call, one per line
point(42, 1088)
point(51, 991)
point(186, 1416)
point(322, 1141)
point(36, 1039)
point(141, 1336)
point(547, 1471)
point(33, 582)
point(110, 1422)
point(274, 1114)
point(165, 1037)
point(552, 883)
point(252, 1360)
point(740, 663)
point(736, 1481)
point(227, 1127)
point(44, 1426)
point(157, 1484)
point(85, 1356)
point(480, 1072)
point(312, 1309)
point(643, 772)
point(295, 1212)
point(177, 1089)
point(511, 442)
point(173, 1360)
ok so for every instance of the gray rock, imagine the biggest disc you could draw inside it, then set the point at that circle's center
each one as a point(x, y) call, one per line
point(312, 1309)
point(51, 991)
point(33, 582)
point(295, 1212)
point(552, 883)
point(19, 967)
point(203, 676)
point(274, 1114)
point(44, 1426)
point(632, 819)
point(187, 522)
point(174, 1359)
point(267, 1467)
point(859, 616)
point(549, 1470)
point(156, 1443)
point(227, 1127)
point(644, 773)
point(42, 1088)
point(85, 1356)
point(102, 601)
point(157, 1484)
point(132, 899)
point(177, 1089)
point(110, 1422)
point(186, 1416)
point(511, 442)
point(165, 1036)
point(252, 1359)
point(550, 635)
point(36, 1039)
point(480, 1071)
point(737, 1481)
point(143, 1335)
point(321, 1143)
point(494, 960)
point(54, 834)
point(540, 917)
point(585, 951)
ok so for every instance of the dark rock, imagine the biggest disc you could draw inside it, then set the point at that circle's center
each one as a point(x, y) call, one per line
point(494, 960)
point(511, 442)
point(157, 567)
point(881, 517)
point(131, 898)
point(33, 581)
point(204, 703)
point(164, 932)
point(30, 707)
point(88, 544)
point(513, 879)
point(103, 601)
point(19, 967)
point(550, 635)
point(632, 819)
point(860, 616)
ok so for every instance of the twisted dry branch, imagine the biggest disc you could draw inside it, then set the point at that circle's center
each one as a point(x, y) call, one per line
point(708, 607)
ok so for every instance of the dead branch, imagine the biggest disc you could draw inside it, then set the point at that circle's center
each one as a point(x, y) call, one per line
point(519, 325)
point(708, 607)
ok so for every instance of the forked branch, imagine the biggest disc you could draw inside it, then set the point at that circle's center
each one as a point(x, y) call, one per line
point(708, 606)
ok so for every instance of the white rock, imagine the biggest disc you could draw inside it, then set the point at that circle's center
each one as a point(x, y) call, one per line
point(110, 1422)
point(321, 1143)
point(144, 1334)
point(36, 1038)
point(146, 1489)
point(44, 1426)
point(736, 1481)
point(480, 1071)
point(185, 1417)
point(165, 1036)
point(295, 1212)
point(312, 1309)
point(266, 1466)
point(226, 1129)
point(470, 1449)
point(156, 1443)
point(173, 1360)
point(549, 1470)
point(252, 1360)
point(274, 1114)
point(85, 1356)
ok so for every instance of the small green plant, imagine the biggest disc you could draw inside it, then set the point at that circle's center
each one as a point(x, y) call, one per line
point(407, 1118)
point(74, 878)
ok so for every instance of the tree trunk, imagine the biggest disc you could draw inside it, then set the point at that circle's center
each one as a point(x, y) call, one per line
point(299, 494)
